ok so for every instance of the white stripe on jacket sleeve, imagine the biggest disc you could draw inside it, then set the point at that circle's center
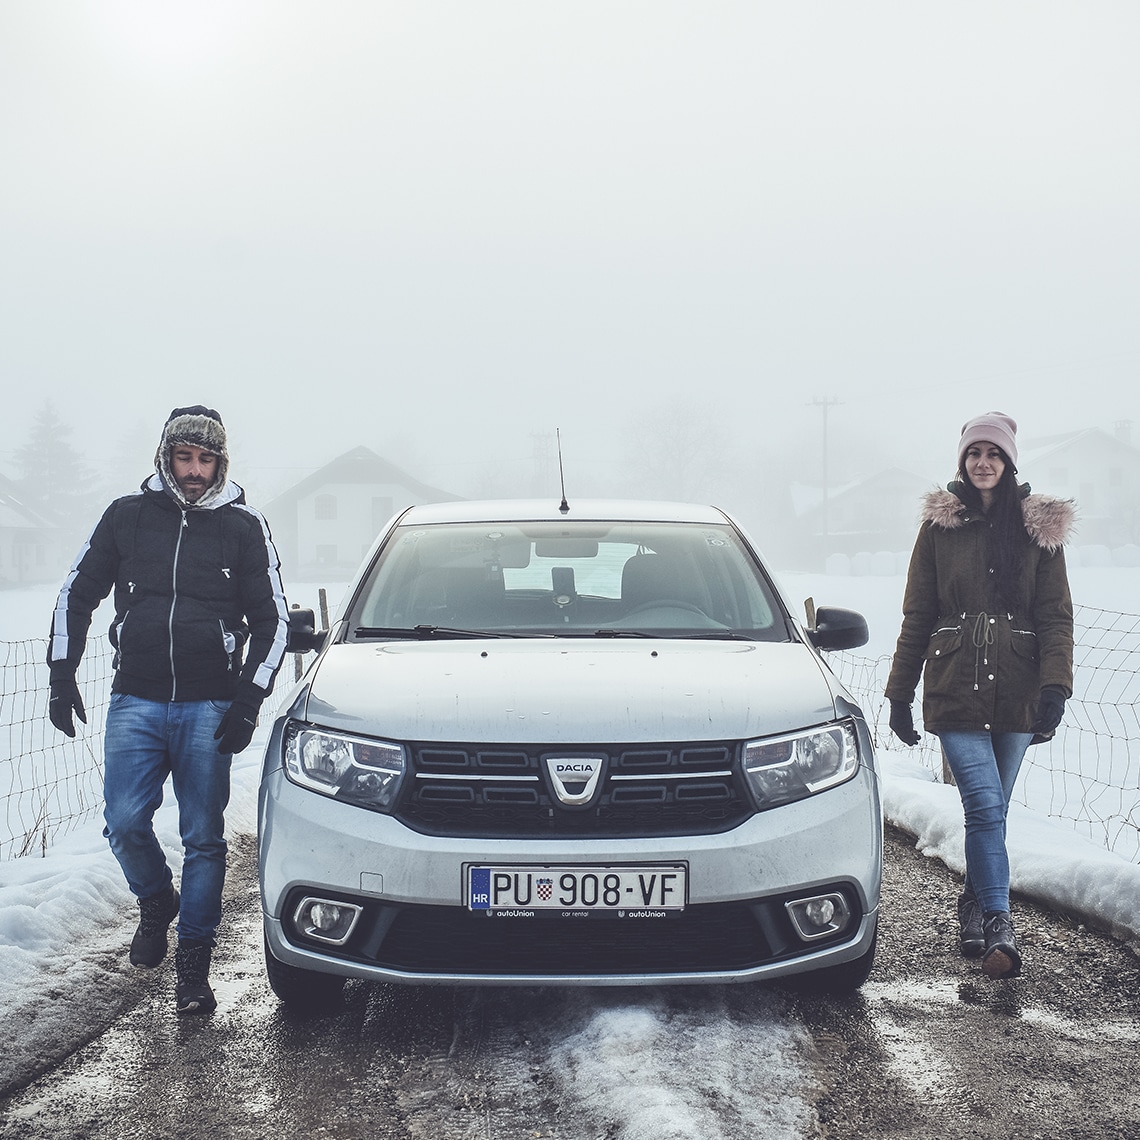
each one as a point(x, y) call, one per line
point(263, 677)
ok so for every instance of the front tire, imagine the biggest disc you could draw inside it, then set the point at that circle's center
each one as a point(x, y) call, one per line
point(845, 978)
point(308, 991)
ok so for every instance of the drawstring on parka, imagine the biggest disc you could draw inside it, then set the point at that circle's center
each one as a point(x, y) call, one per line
point(983, 638)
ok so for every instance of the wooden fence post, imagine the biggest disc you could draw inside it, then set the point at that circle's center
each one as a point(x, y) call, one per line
point(947, 774)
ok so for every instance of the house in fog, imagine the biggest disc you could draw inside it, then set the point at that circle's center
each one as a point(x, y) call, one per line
point(324, 525)
point(31, 546)
point(879, 513)
point(1098, 469)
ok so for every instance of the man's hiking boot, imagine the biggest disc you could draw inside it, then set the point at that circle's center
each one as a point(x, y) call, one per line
point(1001, 958)
point(192, 993)
point(156, 913)
point(972, 938)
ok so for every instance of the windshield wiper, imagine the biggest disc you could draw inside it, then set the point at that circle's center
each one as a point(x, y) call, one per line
point(719, 635)
point(672, 635)
point(425, 632)
point(622, 633)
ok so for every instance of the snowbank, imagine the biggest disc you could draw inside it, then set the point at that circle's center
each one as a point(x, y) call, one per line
point(1047, 860)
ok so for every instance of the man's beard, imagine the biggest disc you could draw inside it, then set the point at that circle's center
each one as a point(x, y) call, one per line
point(193, 489)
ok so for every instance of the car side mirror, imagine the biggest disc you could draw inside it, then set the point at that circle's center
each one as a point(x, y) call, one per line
point(833, 628)
point(304, 637)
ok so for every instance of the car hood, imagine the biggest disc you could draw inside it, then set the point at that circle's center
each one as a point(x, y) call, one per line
point(567, 691)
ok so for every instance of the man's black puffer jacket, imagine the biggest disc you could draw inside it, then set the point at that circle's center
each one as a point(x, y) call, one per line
point(191, 587)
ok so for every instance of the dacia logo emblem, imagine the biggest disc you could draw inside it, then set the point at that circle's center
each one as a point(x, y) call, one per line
point(574, 778)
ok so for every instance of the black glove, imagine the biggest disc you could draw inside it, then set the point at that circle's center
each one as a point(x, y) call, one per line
point(902, 723)
point(64, 701)
point(1050, 709)
point(237, 727)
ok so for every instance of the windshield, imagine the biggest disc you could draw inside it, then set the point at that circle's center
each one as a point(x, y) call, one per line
point(568, 579)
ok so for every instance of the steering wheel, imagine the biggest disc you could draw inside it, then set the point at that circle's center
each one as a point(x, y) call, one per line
point(668, 604)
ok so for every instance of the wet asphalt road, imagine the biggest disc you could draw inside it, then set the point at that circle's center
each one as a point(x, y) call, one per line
point(929, 1048)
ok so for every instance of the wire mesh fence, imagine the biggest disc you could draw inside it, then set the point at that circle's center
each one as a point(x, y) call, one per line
point(51, 783)
point(1088, 775)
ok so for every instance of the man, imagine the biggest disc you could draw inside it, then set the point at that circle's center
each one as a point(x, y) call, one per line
point(196, 577)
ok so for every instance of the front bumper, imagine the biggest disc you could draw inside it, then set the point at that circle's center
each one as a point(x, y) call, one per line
point(415, 927)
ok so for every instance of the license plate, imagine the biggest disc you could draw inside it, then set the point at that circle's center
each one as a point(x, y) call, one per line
point(655, 889)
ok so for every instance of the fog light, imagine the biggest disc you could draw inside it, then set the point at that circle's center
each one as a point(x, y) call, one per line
point(819, 916)
point(327, 920)
point(325, 916)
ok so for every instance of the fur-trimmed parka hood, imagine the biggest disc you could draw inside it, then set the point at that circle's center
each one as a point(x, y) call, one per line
point(1048, 521)
point(202, 427)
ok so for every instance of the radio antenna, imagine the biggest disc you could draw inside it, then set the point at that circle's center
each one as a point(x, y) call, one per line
point(564, 506)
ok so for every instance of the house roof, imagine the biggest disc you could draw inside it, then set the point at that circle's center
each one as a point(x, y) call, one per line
point(1035, 450)
point(808, 498)
point(14, 512)
point(360, 465)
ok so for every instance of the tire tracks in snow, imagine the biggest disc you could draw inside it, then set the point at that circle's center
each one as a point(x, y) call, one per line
point(719, 1063)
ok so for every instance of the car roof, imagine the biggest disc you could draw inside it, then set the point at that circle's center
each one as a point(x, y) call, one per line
point(542, 510)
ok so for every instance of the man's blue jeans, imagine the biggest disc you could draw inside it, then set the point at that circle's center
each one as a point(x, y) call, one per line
point(985, 767)
point(145, 741)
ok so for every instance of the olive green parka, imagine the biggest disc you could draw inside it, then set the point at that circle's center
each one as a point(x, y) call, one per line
point(983, 667)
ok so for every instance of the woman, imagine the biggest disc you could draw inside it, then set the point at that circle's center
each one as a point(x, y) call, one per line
point(987, 615)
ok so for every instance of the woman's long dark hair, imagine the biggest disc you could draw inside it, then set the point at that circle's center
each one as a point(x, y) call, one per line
point(1006, 535)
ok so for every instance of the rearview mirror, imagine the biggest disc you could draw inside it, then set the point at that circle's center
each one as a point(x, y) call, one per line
point(565, 547)
point(836, 629)
point(303, 637)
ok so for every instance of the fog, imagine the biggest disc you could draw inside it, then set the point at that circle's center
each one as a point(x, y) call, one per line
point(679, 234)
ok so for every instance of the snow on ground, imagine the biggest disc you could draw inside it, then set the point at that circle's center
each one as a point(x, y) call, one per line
point(1047, 860)
point(57, 911)
point(61, 912)
point(620, 1060)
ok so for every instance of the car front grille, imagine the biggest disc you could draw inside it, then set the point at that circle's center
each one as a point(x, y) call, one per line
point(488, 792)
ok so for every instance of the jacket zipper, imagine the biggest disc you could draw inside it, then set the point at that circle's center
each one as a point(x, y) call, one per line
point(227, 639)
point(173, 603)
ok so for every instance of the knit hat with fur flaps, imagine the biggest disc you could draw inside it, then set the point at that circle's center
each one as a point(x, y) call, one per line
point(197, 426)
point(993, 427)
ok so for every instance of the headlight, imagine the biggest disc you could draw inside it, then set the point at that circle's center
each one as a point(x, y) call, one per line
point(350, 768)
point(786, 768)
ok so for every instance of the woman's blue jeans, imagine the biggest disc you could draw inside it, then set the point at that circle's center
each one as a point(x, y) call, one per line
point(144, 742)
point(985, 767)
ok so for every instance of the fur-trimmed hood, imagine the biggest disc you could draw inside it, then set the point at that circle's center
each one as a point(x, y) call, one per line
point(202, 427)
point(1048, 521)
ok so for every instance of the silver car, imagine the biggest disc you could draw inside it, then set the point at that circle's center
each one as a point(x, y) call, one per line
point(579, 744)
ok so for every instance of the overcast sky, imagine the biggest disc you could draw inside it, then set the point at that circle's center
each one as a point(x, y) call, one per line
point(443, 229)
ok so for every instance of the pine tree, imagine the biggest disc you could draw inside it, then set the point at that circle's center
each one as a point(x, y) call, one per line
point(53, 478)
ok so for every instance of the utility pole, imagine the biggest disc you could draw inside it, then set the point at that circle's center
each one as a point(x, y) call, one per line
point(824, 405)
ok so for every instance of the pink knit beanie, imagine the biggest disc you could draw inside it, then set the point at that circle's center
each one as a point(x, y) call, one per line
point(993, 427)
